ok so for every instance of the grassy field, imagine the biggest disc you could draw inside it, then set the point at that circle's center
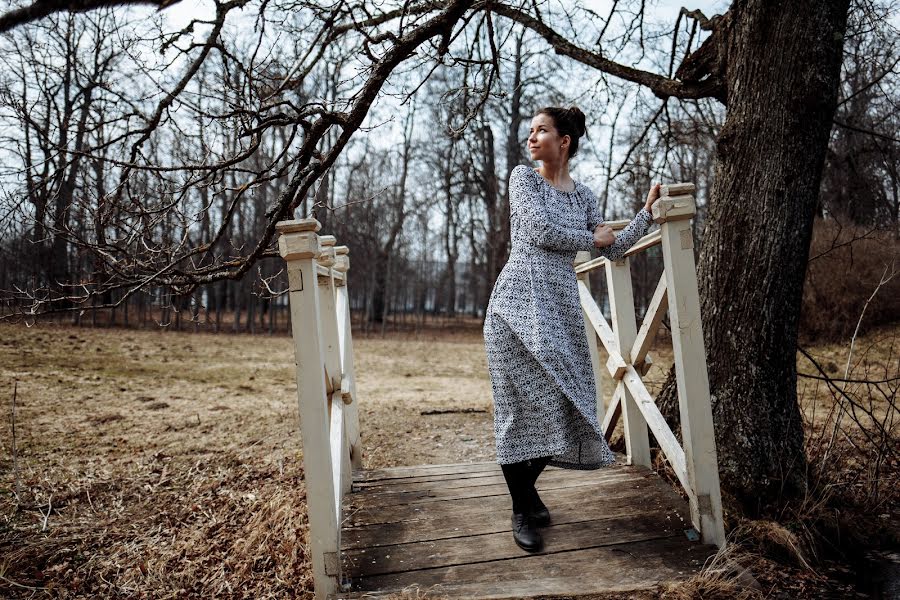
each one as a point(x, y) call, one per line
point(161, 464)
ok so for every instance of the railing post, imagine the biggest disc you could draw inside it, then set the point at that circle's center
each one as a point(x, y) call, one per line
point(299, 246)
point(591, 333)
point(621, 310)
point(328, 291)
point(351, 415)
point(673, 211)
point(326, 259)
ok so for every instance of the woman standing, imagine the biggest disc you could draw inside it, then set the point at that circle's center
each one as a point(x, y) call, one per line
point(545, 407)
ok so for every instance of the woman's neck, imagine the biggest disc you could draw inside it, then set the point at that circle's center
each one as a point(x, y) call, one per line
point(557, 174)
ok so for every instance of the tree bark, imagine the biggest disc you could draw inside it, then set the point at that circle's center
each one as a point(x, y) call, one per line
point(782, 72)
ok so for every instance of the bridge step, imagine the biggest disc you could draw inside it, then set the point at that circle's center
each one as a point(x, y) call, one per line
point(444, 531)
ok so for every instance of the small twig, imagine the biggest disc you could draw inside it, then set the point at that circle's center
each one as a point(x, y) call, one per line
point(49, 510)
point(835, 380)
point(444, 411)
point(15, 451)
point(837, 421)
point(842, 397)
point(20, 585)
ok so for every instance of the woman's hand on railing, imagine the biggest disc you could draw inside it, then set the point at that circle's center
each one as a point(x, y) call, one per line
point(603, 236)
point(652, 197)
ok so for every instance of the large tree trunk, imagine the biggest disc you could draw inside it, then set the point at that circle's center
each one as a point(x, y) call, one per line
point(782, 73)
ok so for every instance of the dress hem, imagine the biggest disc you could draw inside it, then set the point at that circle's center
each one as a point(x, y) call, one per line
point(581, 467)
point(564, 464)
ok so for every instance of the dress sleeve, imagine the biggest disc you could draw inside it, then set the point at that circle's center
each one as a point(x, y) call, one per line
point(526, 207)
point(628, 236)
point(594, 217)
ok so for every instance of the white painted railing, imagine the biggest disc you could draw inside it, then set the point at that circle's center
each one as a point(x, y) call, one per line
point(329, 421)
point(695, 464)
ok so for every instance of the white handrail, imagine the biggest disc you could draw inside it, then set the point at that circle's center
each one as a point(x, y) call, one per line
point(695, 463)
point(348, 381)
point(320, 321)
point(648, 241)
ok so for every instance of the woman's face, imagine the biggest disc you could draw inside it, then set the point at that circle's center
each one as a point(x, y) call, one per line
point(544, 141)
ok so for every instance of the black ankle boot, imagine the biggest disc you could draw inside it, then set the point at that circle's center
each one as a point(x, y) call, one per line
point(527, 537)
point(539, 514)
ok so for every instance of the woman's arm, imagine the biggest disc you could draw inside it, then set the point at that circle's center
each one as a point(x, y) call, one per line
point(628, 236)
point(632, 232)
point(525, 205)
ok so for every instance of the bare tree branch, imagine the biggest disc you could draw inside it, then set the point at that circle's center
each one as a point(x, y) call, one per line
point(43, 8)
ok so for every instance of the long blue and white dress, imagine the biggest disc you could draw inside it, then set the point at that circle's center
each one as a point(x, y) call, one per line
point(537, 353)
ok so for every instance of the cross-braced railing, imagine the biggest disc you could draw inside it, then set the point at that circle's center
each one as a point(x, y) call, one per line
point(329, 421)
point(695, 464)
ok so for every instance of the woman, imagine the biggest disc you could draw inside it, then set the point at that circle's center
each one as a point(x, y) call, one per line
point(545, 409)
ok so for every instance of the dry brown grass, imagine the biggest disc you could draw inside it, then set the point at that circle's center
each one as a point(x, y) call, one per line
point(169, 464)
point(852, 444)
point(725, 576)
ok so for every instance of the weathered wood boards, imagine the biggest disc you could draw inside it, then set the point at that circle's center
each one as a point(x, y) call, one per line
point(378, 503)
point(478, 513)
point(615, 529)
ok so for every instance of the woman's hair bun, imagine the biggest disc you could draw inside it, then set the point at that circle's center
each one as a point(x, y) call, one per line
point(579, 120)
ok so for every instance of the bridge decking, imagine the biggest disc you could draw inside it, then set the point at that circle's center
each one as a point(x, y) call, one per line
point(446, 530)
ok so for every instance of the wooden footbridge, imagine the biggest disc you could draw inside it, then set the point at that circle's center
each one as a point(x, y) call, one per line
point(444, 530)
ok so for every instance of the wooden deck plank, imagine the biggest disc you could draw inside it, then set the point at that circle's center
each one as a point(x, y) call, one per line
point(472, 513)
point(360, 511)
point(542, 589)
point(450, 491)
point(484, 520)
point(445, 530)
point(602, 569)
point(388, 482)
point(419, 470)
point(392, 481)
point(405, 492)
point(483, 477)
point(418, 555)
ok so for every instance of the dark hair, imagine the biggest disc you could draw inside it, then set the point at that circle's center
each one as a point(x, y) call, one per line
point(568, 121)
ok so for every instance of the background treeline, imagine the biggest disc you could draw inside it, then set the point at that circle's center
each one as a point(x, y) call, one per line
point(420, 199)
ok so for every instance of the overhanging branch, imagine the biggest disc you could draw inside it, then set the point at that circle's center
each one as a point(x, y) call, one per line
point(712, 86)
point(42, 8)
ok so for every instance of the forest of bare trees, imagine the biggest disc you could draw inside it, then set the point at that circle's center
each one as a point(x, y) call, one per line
point(147, 185)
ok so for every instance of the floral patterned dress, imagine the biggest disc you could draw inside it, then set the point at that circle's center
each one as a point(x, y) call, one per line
point(537, 352)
